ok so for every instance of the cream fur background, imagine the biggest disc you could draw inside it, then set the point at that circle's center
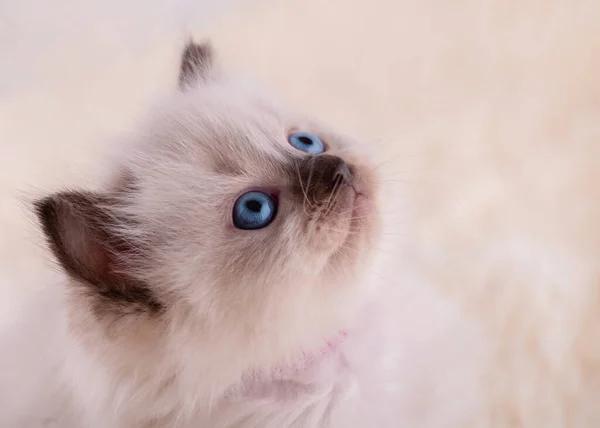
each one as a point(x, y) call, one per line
point(492, 108)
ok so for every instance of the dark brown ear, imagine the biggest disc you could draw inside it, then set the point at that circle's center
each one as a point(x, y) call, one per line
point(82, 235)
point(197, 62)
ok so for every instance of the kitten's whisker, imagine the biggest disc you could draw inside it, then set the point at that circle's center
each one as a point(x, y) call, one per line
point(333, 196)
point(347, 232)
point(305, 195)
point(356, 250)
point(310, 174)
point(327, 204)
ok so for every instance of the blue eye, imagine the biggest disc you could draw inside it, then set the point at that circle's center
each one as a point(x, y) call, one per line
point(254, 210)
point(307, 142)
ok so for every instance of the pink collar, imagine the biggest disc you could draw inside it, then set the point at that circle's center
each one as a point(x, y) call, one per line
point(313, 366)
point(309, 359)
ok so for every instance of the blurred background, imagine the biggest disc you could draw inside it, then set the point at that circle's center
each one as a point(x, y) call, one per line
point(490, 108)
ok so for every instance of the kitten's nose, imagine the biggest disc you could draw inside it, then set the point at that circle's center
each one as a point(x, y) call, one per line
point(319, 174)
point(326, 169)
point(342, 172)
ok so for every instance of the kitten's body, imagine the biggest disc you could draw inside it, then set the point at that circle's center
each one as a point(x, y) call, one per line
point(383, 377)
point(171, 317)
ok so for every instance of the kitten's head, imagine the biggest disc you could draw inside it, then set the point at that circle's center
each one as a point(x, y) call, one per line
point(233, 223)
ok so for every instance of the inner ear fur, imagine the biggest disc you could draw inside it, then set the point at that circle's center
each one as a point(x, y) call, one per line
point(82, 234)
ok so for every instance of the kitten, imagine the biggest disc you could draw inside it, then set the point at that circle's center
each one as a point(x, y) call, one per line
point(231, 276)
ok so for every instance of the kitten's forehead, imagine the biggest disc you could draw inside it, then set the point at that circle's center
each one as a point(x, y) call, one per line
point(225, 132)
point(245, 124)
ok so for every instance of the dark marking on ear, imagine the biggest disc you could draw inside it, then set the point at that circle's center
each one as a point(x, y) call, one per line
point(196, 63)
point(81, 233)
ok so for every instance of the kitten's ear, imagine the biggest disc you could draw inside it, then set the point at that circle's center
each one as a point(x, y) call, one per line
point(81, 232)
point(197, 64)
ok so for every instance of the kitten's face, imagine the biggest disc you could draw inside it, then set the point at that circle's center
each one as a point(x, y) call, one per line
point(318, 213)
point(252, 218)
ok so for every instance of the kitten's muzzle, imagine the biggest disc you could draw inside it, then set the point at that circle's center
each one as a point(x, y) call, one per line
point(342, 172)
point(321, 175)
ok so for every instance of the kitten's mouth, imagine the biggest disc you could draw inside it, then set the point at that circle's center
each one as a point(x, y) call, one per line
point(362, 202)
